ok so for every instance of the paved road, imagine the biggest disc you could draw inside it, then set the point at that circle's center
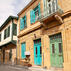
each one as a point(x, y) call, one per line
point(12, 68)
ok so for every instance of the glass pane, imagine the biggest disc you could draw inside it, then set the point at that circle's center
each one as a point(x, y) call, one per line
point(49, 8)
point(14, 29)
point(40, 50)
point(8, 31)
point(53, 48)
point(36, 50)
point(60, 48)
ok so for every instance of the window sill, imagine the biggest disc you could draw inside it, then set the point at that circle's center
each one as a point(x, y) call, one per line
point(24, 28)
point(33, 23)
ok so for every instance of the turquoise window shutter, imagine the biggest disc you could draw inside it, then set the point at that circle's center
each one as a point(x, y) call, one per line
point(32, 16)
point(26, 21)
point(39, 8)
point(23, 49)
point(21, 24)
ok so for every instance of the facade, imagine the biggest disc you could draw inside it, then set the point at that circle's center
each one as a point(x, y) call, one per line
point(8, 39)
point(44, 29)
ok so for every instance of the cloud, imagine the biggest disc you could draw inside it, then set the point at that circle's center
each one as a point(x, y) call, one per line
point(11, 7)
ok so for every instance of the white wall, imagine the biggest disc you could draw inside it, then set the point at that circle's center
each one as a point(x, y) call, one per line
point(4, 41)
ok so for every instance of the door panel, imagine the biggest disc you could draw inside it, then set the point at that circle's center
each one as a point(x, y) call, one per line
point(37, 52)
point(23, 49)
point(56, 51)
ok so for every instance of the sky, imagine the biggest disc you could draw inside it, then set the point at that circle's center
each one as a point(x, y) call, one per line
point(11, 7)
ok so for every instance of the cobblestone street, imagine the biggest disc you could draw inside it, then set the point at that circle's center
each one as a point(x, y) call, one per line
point(12, 68)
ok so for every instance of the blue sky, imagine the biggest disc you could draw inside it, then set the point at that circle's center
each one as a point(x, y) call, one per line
point(11, 7)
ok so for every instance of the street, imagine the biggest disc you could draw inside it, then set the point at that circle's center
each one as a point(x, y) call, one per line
point(12, 68)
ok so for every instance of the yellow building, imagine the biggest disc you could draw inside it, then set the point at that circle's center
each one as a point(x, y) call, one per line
point(8, 39)
point(44, 31)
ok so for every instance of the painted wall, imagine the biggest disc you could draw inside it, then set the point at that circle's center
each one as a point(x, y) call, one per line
point(4, 41)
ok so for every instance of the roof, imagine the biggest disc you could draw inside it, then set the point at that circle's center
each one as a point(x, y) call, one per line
point(6, 22)
point(30, 3)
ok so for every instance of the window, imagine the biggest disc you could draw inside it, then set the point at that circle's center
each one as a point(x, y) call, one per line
point(14, 29)
point(23, 23)
point(34, 13)
point(36, 51)
point(40, 50)
point(36, 10)
point(60, 48)
point(53, 48)
point(0, 37)
point(7, 32)
point(24, 18)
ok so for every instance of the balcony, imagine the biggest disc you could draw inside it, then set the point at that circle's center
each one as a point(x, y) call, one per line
point(51, 8)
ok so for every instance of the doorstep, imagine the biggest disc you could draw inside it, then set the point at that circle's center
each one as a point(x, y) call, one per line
point(37, 68)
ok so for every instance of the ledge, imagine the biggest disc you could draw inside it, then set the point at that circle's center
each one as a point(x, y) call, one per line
point(29, 30)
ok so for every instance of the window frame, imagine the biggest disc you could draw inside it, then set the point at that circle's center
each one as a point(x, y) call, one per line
point(0, 37)
point(24, 22)
point(14, 29)
point(7, 32)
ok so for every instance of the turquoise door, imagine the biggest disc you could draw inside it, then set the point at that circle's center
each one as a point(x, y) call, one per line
point(56, 53)
point(37, 52)
point(23, 49)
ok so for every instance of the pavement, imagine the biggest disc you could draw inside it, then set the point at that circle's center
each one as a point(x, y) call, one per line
point(4, 67)
point(13, 68)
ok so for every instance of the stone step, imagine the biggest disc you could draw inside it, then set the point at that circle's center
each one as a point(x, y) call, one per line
point(56, 69)
point(42, 69)
point(37, 69)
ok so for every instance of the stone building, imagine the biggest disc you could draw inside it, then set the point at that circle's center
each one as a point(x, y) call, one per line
point(45, 31)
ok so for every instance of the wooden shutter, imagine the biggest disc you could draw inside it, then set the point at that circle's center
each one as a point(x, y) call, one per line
point(21, 24)
point(25, 24)
point(23, 49)
point(32, 16)
point(39, 8)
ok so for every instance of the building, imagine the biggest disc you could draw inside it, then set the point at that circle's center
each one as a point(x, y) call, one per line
point(8, 39)
point(44, 29)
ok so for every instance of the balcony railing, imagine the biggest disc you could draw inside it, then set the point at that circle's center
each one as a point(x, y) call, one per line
point(50, 9)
